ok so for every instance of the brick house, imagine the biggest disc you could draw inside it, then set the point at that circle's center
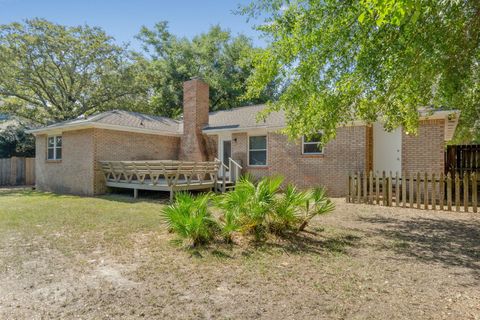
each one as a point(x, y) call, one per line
point(68, 153)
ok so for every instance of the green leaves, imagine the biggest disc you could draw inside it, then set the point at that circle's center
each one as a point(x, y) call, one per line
point(222, 60)
point(190, 218)
point(50, 72)
point(339, 61)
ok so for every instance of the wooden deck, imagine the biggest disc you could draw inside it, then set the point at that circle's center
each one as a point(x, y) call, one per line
point(161, 175)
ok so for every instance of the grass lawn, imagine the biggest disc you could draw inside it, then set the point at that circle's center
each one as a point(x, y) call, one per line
point(111, 257)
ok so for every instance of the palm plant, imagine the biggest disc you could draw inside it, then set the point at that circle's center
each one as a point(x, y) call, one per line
point(318, 203)
point(190, 218)
point(287, 209)
point(249, 204)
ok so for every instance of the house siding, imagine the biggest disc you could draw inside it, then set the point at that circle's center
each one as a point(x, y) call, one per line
point(125, 146)
point(74, 173)
point(424, 152)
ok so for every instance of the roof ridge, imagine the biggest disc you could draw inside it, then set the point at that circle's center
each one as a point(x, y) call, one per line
point(242, 107)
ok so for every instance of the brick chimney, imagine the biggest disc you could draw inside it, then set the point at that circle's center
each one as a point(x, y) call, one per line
point(195, 117)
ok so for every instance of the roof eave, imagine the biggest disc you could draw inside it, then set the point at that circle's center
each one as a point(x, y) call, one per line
point(90, 125)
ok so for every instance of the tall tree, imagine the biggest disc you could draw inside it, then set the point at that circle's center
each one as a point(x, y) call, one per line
point(367, 59)
point(49, 72)
point(222, 60)
point(15, 142)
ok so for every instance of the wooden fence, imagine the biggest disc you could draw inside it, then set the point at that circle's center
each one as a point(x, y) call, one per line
point(462, 158)
point(419, 190)
point(17, 171)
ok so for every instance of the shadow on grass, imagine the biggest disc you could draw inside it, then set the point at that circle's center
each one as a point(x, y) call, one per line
point(308, 243)
point(445, 241)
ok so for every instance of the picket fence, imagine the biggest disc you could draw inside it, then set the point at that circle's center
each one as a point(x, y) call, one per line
point(17, 171)
point(418, 190)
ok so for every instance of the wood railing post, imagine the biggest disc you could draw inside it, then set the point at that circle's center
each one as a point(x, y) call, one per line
point(223, 179)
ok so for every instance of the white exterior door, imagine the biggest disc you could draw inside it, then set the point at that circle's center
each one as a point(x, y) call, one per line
point(387, 149)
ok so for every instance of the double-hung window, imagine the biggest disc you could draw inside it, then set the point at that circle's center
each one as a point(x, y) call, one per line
point(54, 148)
point(257, 151)
point(311, 145)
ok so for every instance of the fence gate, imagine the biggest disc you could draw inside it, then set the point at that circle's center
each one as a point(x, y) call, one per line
point(17, 171)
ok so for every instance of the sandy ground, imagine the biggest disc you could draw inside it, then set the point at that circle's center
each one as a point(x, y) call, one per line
point(361, 262)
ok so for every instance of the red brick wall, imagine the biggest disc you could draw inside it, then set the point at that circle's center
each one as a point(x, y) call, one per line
point(119, 145)
point(79, 172)
point(346, 153)
point(195, 117)
point(424, 152)
point(74, 173)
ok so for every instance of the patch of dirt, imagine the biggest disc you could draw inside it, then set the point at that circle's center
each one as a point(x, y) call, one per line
point(360, 262)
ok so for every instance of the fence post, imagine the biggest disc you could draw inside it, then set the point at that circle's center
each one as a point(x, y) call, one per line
point(449, 192)
point(425, 191)
point(434, 187)
point(370, 181)
point(359, 188)
point(13, 171)
point(418, 198)
point(384, 189)
point(474, 192)
point(349, 186)
point(404, 190)
point(441, 196)
point(457, 192)
point(397, 190)
point(465, 191)
point(411, 190)
point(389, 190)
point(352, 188)
point(377, 187)
point(365, 187)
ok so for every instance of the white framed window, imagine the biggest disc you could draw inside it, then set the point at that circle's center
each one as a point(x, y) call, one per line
point(257, 150)
point(312, 145)
point(54, 148)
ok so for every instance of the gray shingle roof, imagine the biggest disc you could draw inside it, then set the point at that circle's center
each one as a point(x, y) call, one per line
point(242, 118)
point(121, 118)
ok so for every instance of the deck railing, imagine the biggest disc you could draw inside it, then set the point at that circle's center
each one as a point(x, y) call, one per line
point(170, 175)
point(418, 190)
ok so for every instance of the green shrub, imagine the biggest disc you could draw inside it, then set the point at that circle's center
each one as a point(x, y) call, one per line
point(317, 204)
point(287, 209)
point(249, 205)
point(190, 218)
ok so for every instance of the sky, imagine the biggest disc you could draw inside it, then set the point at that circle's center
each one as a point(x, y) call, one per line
point(122, 19)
